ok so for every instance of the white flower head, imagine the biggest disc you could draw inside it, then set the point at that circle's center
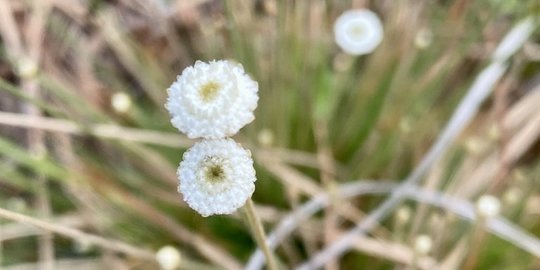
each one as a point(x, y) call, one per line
point(488, 206)
point(358, 31)
point(423, 38)
point(423, 244)
point(216, 176)
point(168, 257)
point(121, 102)
point(513, 195)
point(27, 68)
point(266, 137)
point(403, 215)
point(212, 100)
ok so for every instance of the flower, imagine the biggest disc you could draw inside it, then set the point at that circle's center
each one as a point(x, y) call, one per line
point(358, 31)
point(121, 102)
point(168, 257)
point(423, 38)
point(27, 68)
point(216, 176)
point(212, 100)
point(423, 244)
point(488, 206)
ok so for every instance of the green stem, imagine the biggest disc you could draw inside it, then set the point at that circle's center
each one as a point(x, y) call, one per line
point(258, 233)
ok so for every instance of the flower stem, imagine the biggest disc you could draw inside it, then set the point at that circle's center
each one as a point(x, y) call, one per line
point(258, 233)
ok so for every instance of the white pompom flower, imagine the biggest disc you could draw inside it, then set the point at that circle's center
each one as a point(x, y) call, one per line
point(212, 100)
point(488, 206)
point(216, 176)
point(358, 31)
point(168, 258)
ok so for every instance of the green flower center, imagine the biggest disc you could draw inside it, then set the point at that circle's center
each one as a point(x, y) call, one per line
point(215, 173)
point(357, 31)
point(213, 170)
point(209, 91)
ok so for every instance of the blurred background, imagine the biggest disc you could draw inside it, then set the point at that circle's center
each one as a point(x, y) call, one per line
point(86, 143)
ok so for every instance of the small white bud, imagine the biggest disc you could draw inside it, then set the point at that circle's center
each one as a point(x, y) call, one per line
point(265, 137)
point(120, 102)
point(423, 38)
point(27, 68)
point(475, 146)
point(512, 196)
point(423, 244)
point(488, 206)
point(405, 125)
point(403, 215)
point(494, 133)
point(168, 257)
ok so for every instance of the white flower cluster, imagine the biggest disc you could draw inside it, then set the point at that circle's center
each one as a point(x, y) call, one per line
point(168, 258)
point(488, 206)
point(358, 31)
point(213, 101)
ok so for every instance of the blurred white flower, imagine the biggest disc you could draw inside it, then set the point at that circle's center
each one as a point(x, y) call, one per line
point(120, 102)
point(265, 137)
point(212, 100)
point(476, 146)
point(168, 257)
point(358, 31)
point(423, 244)
point(423, 38)
point(216, 176)
point(405, 125)
point(403, 215)
point(27, 68)
point(488, 206)
point(513, 196)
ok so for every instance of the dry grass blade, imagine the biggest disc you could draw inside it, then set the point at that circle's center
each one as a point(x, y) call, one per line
point(77, 235)
point(100, 130)
point(18, 230)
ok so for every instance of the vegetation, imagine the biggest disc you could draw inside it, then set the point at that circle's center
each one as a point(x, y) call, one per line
point(89, 157)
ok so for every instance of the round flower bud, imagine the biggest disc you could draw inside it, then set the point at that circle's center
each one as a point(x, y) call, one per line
point(488, 206)
point(358, 31)
point(168, 257)
point(423, 38)
point(212, 100)
point(120, 102)
point(403, 215)
point(265, 137)
point(423, 244)
point(216, 176)
point(513, 196)
point(27, 68)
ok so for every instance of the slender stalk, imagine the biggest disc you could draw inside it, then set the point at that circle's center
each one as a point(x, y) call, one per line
point(258, 232)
